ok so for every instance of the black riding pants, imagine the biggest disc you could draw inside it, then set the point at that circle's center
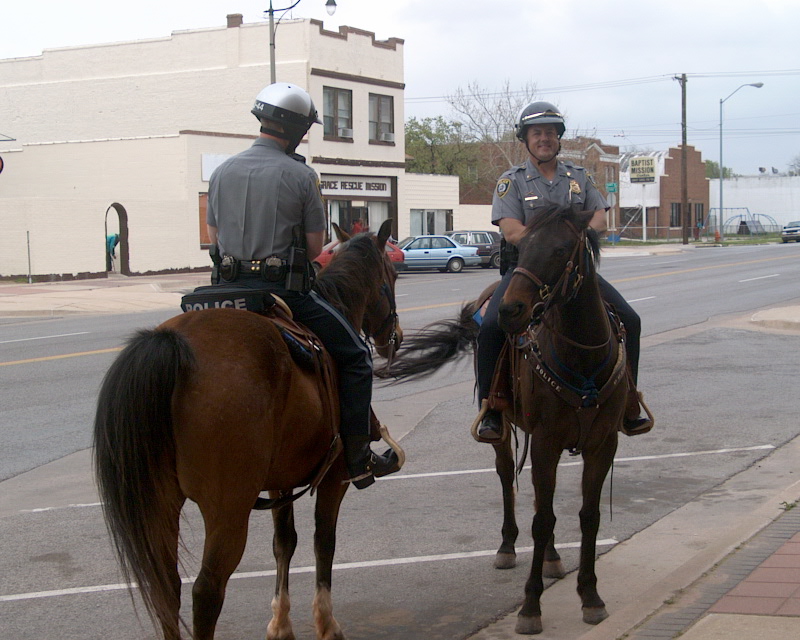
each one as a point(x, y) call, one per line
point(348, 350)
point(491, 337)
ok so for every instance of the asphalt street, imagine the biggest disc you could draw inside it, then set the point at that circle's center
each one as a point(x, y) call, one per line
point(415, 552)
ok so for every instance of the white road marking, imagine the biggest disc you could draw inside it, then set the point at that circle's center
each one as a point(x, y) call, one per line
point(774, 275)
point(464, 472)
point(16, 597)
point(412, 476)
point(61, 335)
point(640, 299)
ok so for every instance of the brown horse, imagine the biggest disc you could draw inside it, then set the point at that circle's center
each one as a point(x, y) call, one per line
point(568, 387)
point(212, 407)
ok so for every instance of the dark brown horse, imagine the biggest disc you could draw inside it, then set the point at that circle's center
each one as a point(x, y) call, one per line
point(212, 407)
point(567, 376)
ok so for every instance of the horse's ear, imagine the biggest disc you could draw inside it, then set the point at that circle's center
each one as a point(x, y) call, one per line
point(384, 232)
point(340, 233)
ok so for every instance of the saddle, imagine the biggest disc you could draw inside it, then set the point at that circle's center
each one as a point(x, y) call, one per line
point(307, 351)
point(506, 379)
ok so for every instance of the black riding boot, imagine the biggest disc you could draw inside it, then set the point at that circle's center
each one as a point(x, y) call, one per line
point(363, 464)
point(491, 427)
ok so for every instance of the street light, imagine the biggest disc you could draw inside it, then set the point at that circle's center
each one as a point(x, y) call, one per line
point(720, 219)
point(330, 7)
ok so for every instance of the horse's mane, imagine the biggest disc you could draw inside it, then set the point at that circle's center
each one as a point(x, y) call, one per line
point(553, 214)
point(343, 281)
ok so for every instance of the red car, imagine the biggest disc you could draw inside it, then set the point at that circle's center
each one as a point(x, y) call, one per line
point(395, 255)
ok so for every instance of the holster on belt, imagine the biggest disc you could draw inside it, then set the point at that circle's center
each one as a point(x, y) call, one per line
point(228, 268)
point(500, 393)
point(509, 255)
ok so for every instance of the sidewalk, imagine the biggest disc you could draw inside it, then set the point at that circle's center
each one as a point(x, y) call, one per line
point(725, 565)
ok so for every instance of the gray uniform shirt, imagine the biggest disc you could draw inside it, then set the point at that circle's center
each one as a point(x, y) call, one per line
point(522, 192)
point(257, 196)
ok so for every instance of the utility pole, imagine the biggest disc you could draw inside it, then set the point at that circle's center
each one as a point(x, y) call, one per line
point(685, 213)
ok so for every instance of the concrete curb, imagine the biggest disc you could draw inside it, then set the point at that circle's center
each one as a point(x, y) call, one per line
point(641, 575)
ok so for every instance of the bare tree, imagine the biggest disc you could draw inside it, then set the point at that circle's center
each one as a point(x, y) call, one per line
point(794, 166)
point(487, 118)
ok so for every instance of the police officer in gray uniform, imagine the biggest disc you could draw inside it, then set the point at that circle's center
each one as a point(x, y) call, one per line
point(255, 200)
point(521, 193)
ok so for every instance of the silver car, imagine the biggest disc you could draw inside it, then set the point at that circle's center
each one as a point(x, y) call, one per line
point(791, 232)
point(438, 252)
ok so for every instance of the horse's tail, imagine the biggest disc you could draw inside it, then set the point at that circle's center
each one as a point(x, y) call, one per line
point(134, 458)
point(426, 351)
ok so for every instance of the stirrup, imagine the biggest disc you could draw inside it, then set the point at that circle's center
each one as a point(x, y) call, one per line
point(477, 423)
point(364, 480)
point(647, 426)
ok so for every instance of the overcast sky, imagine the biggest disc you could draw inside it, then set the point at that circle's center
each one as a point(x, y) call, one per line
point(608, 64)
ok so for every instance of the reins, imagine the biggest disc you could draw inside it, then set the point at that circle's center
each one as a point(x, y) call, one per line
point(389, 321)
point(587, 398)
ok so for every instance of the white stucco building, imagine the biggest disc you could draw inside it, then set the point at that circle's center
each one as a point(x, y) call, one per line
point(122, 138)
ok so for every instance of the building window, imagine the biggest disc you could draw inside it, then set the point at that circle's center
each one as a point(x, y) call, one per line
point(675, 215)
point(381, 118)
point(337, 111)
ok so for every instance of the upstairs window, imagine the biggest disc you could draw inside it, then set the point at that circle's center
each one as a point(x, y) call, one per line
point(337, 115)
point(381, 118)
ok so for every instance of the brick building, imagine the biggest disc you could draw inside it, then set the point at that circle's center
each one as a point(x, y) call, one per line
point(660, 199)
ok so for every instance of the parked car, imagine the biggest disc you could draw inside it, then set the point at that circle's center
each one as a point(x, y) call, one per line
point(791, 232)
point(395, 255)
point(487, 243)
point(438, 252)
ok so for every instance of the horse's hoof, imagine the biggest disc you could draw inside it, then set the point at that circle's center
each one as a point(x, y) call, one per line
point(505, 560)
point(529, 626)
point(594, 615)
point(553, 569)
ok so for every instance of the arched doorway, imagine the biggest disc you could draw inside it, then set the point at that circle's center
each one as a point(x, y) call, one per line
point(117, 252)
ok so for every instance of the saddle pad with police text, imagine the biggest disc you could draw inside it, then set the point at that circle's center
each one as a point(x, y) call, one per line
point(227, 297)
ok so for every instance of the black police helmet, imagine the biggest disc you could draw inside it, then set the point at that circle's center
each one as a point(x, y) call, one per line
point(539, 113)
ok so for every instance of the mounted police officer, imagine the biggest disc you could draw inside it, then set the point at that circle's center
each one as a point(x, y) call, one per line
point(265, 213)
point(521, 193)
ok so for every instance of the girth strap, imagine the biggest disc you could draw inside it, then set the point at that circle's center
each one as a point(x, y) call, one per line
point(285, 498)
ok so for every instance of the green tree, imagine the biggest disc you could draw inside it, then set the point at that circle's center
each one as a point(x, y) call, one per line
point(712, 170)
point(794, 166)
point(436, 145)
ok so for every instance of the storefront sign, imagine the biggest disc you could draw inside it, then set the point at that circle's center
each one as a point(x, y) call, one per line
point(355, 186)
point(643, 169)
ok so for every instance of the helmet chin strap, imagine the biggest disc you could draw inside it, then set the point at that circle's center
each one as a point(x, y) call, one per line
point(538, 160)
point(275, 133)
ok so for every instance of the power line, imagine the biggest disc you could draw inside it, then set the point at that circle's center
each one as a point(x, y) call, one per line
point(612, 84)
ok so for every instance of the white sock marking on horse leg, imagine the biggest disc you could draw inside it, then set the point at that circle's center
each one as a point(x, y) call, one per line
point(326, 625)
point(280, 627)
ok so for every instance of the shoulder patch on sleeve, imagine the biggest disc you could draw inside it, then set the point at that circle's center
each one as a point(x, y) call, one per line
point(502, 186)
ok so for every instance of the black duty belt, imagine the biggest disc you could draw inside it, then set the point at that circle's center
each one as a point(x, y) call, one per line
point(272, 269)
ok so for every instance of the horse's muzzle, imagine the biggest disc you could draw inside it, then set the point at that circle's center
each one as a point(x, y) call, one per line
point(513, 317)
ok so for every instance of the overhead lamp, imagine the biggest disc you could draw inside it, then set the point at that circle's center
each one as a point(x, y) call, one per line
point(330, 7)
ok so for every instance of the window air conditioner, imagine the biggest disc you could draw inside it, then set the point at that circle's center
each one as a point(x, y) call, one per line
point(345, 133)
point(387, 137)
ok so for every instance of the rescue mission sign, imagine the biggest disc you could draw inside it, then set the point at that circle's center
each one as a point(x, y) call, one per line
point(643, 169)
point(355, 186)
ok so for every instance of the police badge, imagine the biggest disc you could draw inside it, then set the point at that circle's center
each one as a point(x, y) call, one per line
point(574, 187)
point(502, 187)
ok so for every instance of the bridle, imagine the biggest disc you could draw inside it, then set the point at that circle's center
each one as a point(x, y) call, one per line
point(564, 289)
point(391, 319)
point(586, 398)
point(568, 283)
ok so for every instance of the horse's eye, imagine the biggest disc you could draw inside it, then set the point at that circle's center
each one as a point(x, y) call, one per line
point(560, 252)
